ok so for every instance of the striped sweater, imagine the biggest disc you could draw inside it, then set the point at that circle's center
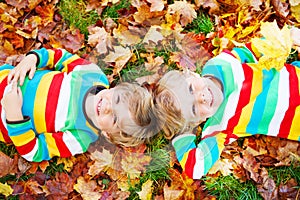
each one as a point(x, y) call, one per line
point(256, 101)
point(54, 121)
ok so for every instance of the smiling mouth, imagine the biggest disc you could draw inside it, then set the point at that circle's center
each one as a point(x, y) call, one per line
point(98, 108)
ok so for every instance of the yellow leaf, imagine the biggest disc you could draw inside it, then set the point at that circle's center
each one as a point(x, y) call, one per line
point(275, 46)
point(68, 163)
point(120, 56)
point(186, 11)
point(146, 192)
point(102, 160)
point(225, 166)
point(296, 12)
point(5, 189)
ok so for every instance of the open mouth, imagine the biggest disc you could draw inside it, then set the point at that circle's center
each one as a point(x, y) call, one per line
point(98, 108)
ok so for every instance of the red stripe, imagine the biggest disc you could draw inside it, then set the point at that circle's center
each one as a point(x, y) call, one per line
point(249, 46)
point(190, 163)
point(294, 101)
point(79, 61)
point(3, 130)
point(52, 100)
point(244, 99)
point(57, 55)
point(62, 147)
point(26, 148)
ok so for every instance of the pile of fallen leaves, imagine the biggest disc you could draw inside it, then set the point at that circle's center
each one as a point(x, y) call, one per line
point(141, 30)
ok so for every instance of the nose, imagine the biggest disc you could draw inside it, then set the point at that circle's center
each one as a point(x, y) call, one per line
point(201, 97)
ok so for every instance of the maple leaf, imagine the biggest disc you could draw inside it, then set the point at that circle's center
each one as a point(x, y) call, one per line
point(5, 189)
point(153, 35)
point(156, 5)
point(88, 190)
point(225, 166)
point(103, 160)
point(7, 165)
point(59, 187)
point(275, 46)
point(172, 194)
point(19, 4)
point(146, 192)
point(33, 187)
point(46, 13)
point(126, 36)
point(135, 163)
point(295, 9)
point(100, 39)
point(186, 11)
point(67, 162)
point(120, 56)
point(145, 16)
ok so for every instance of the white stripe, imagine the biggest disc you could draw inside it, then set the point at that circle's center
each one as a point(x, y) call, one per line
point(198, 170)
point(31, 154)
point(233, 98)
point(63, 102)
point(282, 103)
point(3, 115)
point(88, 67)
point(72, 143)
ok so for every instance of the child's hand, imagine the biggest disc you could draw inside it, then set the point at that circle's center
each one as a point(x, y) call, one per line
point(12, 103)
point(28, 64)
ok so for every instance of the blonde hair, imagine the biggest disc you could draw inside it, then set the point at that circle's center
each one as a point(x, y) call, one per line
point(145, 123)
point(164, 97)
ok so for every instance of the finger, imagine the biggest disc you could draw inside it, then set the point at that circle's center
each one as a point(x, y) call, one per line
point(16, 76)
point(31, 73)
point(10, 75)
point(14, 86)
point(20, 93)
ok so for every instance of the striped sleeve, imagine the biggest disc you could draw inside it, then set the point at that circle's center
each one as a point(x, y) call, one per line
point(197, 161)
point(58, 59)
point(38, 147)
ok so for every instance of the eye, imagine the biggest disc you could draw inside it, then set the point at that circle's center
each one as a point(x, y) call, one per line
point(194, 109)
point(115, 119)
point(191, 89)
point(118, 99)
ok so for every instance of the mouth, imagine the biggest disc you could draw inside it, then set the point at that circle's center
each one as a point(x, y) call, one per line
point(98, 107)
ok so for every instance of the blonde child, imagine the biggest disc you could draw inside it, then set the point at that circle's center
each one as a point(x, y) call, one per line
point(234, 98)
point(54, 103)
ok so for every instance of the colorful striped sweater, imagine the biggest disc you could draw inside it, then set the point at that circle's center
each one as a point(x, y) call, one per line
point(256, 101)
point(54, 122)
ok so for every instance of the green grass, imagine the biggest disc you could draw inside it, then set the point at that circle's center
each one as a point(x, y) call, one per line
point(285, 173)
point(74, 13)
point(8, 149)
point(202, 24)
point(227, 188)
point(112, 11)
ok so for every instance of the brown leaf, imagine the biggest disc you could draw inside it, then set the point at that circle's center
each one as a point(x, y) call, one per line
point(59, 187)
point(267, 188)
point(185, 10)
point(100, 39)
point(172, 194)
point(89, 190)
point(19, 4)
point(46, 13)
point(7, 165)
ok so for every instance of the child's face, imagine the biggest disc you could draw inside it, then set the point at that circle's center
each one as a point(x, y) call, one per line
point(109, 110)
point(198, 98)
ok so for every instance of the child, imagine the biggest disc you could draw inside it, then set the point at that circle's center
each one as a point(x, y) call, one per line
point(59, 111)
point(238, 99)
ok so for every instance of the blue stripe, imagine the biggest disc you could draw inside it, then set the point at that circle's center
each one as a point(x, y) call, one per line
point(65, 56)
point(296, 63)
point(6, 66)
point(42, 149)
point(44, 57)
point(245, 55)
point(260, 103)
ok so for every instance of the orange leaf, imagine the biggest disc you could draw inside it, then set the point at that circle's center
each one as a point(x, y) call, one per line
point(7, 165)
point(46, 13)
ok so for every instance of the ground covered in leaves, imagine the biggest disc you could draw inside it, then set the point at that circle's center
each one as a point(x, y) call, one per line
point(129, 39)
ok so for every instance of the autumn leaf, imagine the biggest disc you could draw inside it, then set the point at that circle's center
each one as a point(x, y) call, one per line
point(87, 189)
point(100, 39)
point(275, 46)
point(225, 166)
point(172, 194)
point(46, 13)
point(5, 189)
point(156, 5)
point(125, 36)
point(103, 160)
point(146, 192)
point(7, 165)
point(67, 162)
point(185, 10)
point(153, 35)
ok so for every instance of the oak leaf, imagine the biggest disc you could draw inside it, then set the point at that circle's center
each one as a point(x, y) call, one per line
point(88, 190)
point(146, 192)
point(275, 46)
point(5, 189)
point(185, 9)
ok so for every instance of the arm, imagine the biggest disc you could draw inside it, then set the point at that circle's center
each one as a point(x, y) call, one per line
point(197, 161)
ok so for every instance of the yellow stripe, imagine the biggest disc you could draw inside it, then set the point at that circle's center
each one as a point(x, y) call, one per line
point(1, 137)
point(23, 139)
point(295, 128)
point(52, 148)
point(39, 110)
point(247, 110)
point(183, 160)
point(67, 62)
point(50, 63)
point(220, 137)
point(3, 74)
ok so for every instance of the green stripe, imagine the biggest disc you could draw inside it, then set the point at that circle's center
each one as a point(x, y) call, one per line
point(270, 106)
